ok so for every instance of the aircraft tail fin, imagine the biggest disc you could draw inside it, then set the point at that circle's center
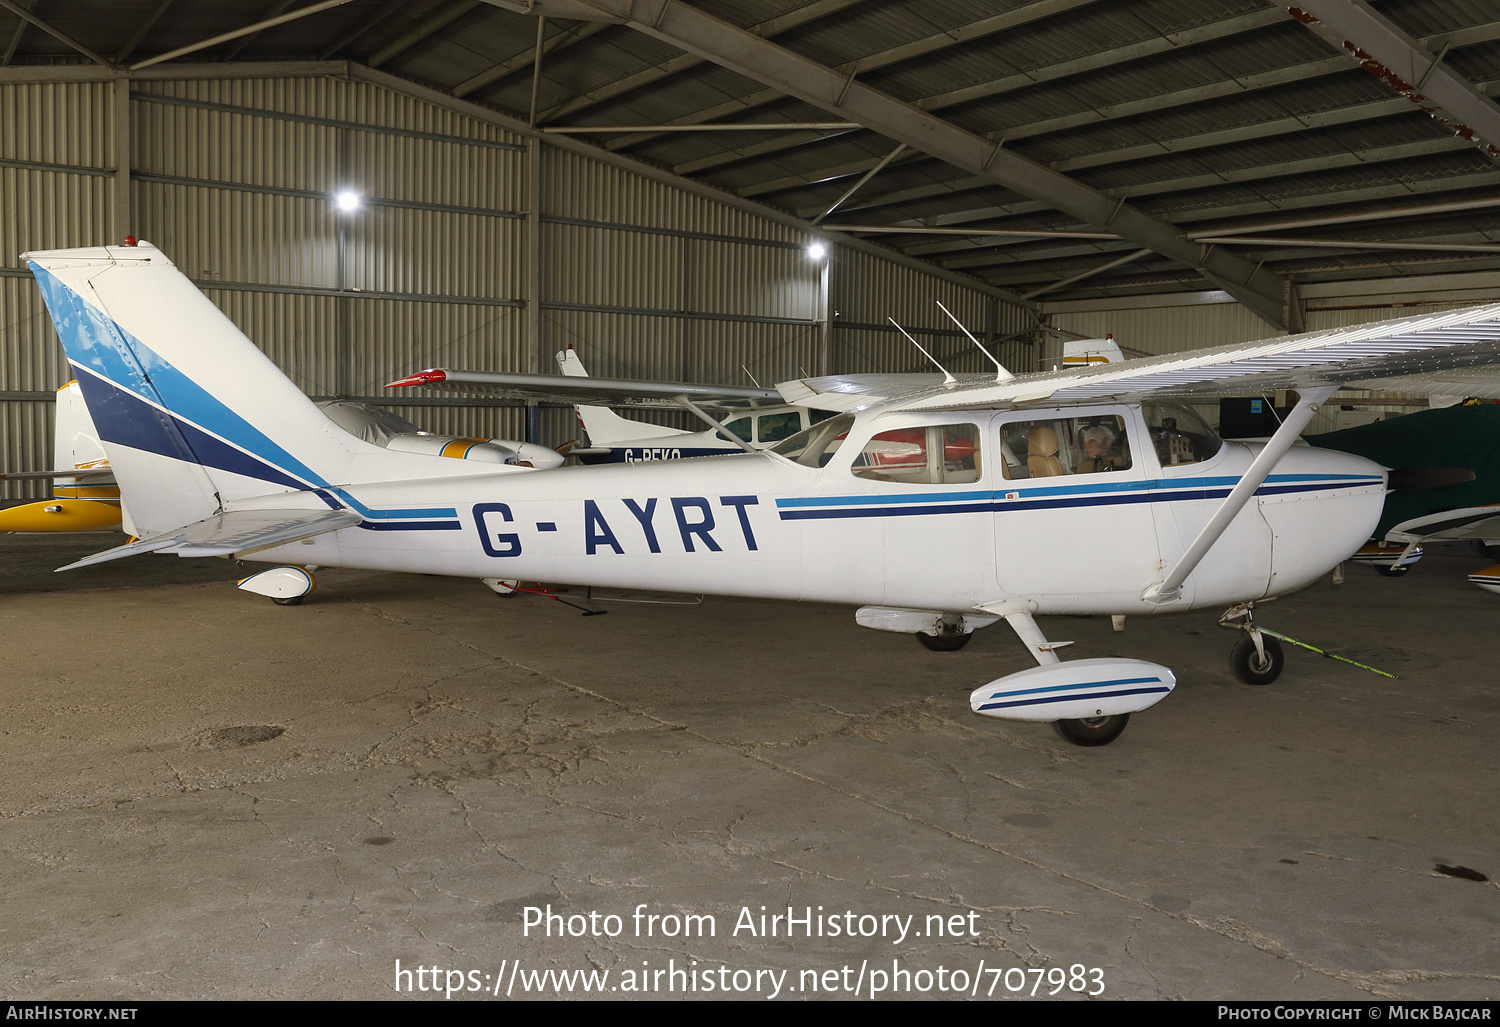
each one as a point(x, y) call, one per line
point(1088, 352)
point(604, 426)
point(192, 416)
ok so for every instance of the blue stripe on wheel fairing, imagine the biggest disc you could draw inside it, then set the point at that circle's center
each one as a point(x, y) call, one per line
point(1080, 684)
point(1070, 698)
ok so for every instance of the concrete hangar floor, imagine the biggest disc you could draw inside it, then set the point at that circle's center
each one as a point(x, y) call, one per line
point(205, 795)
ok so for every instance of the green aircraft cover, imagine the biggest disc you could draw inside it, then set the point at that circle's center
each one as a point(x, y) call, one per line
point(1461, 436)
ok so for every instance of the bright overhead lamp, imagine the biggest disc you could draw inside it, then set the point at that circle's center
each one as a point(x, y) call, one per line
point(347, 201)
point(816, 250)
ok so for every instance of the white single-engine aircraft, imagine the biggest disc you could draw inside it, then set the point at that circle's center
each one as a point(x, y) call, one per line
point(760, 418)
point(937, 506)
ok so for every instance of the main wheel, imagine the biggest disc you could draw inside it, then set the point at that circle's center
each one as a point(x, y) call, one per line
point(1250, 667)
point(289, 600)
point(945, 643)
point(1092, 731)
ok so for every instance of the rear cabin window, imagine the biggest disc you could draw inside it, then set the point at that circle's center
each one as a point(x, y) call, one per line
point(934, 454)
point(1064, 445)
point(767, 427)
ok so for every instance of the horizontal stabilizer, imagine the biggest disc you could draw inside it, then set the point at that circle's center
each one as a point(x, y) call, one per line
point(225, 534)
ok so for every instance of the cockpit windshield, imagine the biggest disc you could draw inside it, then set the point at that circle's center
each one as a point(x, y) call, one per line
point(1180, 435)
point(816, 446)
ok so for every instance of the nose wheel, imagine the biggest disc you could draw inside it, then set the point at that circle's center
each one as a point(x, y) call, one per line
point(1257, 666)
point(1256, 659)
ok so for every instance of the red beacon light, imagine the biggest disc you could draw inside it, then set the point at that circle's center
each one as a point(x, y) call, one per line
point(131, 240)
point(420, 378)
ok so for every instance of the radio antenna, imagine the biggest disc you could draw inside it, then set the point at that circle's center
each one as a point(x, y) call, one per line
point(948, 379)
point(1001, 374)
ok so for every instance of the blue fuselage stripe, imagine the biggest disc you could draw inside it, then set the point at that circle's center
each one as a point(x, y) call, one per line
point(1051, 499)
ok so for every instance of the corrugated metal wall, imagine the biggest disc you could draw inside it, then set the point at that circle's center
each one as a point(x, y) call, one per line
point(56, 177)
point(233, 179)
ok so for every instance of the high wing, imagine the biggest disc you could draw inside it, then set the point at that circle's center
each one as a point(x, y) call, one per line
point(570, 389)
point(1432, 345)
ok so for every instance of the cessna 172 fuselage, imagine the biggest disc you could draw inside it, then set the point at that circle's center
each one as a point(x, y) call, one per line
point(936, 507)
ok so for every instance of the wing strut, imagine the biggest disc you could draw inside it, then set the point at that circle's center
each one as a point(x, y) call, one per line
point(695, 408)
point(1296, 419)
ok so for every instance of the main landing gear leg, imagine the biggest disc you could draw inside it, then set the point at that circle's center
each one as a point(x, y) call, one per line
point(1088, 731)
point(1088, 701)
point(1257, 659)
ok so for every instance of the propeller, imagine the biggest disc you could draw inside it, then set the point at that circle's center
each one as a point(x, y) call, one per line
point(1428, 477)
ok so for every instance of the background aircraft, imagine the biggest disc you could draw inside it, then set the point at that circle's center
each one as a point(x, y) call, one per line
point(740, 418)
point(85, 494)
point(218, 454)
point(1456, 498)
point(87, 498)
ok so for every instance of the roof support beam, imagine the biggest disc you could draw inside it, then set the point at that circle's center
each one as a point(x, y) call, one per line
point(1405, 66)
point(230, 53)
point(1091, 272)
point(1236, 87)
point(489, 116)
point(495, 72)
point(885, 57)
point(1257, 173)
point(224, 37)
point(436, 23)
point(391, 7)
point(760, 60)
point(855, 187)
point(141, 30)
point(757, 59)
point(15, 40)
point(58, 34)
point(1030, 77)
point(791, 19)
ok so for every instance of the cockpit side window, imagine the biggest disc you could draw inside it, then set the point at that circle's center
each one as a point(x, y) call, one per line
point(934, 454)
point(1064, 445)
point(1179, 434)
point(741, 427)
point(775, 427)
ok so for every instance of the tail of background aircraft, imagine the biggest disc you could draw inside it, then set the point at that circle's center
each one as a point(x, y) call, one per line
point(193, 417)
point(604, 426)
point(87, 500)
point(1087, 352)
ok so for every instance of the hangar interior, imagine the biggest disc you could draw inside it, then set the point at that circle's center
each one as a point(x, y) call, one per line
point(1174, 174)
point(643, 181)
